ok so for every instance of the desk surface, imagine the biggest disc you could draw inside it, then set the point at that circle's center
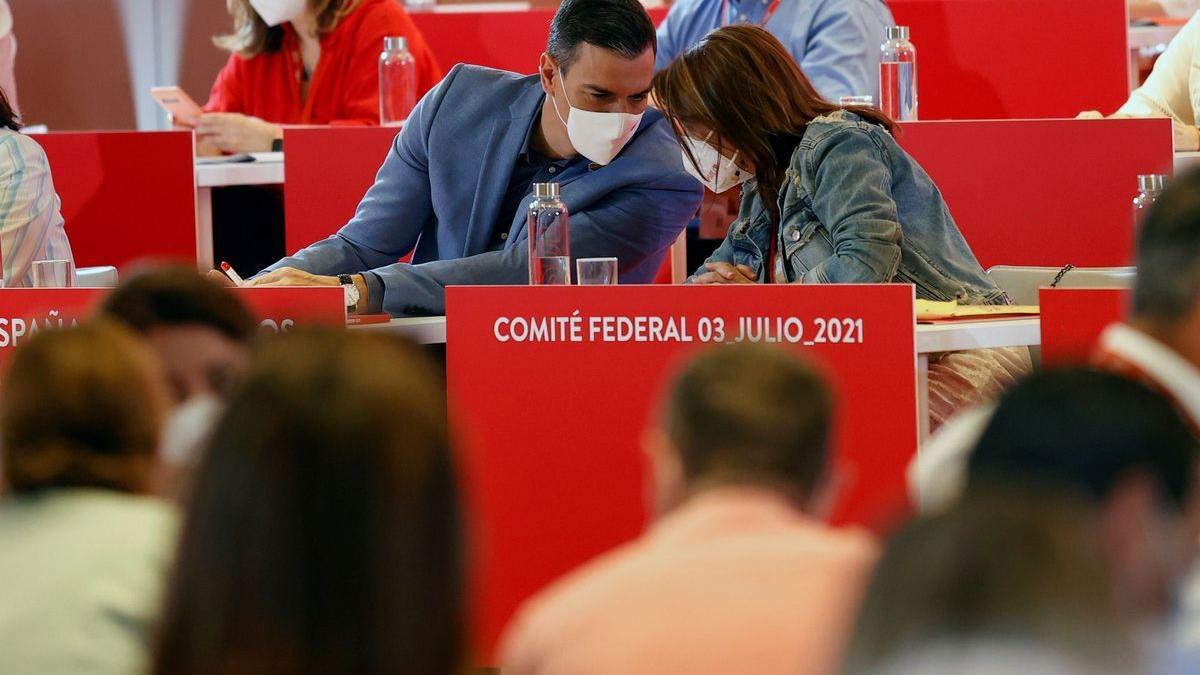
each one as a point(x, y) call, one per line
point(1185, 161)
point(930, 338)
point(1151, 36)
point(266, 169)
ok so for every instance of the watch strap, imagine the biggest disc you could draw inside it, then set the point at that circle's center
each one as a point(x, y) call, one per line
point(347, 280)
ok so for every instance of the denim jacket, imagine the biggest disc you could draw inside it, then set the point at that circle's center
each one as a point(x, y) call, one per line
point(856, 208)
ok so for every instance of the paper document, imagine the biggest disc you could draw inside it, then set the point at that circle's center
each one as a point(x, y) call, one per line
point(929, 310)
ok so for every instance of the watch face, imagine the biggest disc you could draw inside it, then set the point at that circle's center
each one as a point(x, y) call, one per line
point(351, 294)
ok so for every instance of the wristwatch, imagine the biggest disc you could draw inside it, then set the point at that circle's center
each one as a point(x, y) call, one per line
point(352, 296)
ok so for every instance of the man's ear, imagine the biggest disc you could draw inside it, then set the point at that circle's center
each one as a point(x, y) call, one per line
point(548, 70)
point(665, 484)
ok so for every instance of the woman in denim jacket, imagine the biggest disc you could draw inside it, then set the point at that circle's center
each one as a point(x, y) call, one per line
point(829, 197)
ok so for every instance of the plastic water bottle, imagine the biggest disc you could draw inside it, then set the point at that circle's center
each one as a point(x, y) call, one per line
point(397, 82)
point(898, 75)
point(549, 237)
point(1149, 187)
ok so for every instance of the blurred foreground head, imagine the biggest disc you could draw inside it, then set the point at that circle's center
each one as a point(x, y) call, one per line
point(743, 415)
point(1007, 581)
point(1122, 447)
point(81, 408)
point(322, 532)
point(201, 331)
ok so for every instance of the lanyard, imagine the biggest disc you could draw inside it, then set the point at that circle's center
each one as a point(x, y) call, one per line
point(762, 22)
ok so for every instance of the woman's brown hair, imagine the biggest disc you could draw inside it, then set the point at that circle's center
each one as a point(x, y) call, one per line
point(252, 36)
point(741, 83)
point(81, 407)
point(8, 115)
point(322, 531)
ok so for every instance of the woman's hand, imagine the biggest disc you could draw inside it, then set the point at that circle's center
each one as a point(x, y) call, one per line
point(724, 273)
point(234, 132)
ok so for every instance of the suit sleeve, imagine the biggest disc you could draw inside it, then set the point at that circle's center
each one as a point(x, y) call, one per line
point(392, 213)
point(634, 225)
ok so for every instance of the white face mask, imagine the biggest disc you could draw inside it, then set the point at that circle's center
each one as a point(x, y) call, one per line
point(720, 172)
point(599, 136)
point(187, 430)
point(276, 12)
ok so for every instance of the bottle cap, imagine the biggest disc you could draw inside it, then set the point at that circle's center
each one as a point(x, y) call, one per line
point(545, 190)
point(897, 32)
point(1152, 182)
point(395, 43)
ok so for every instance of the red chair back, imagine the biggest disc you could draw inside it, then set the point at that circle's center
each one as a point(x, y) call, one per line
point(512, 41)
point(1000, 59)
point(327, 172)
point(1074, 318)
point(1043, 192)
point(125, 195)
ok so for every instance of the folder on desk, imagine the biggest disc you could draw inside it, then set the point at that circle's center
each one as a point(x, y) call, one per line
point(929, 311)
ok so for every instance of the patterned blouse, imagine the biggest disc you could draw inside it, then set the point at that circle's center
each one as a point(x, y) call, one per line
point(31, 227)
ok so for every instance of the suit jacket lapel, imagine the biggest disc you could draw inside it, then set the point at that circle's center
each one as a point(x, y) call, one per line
point(496, 167)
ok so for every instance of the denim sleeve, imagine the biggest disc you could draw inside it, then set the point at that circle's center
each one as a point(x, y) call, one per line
point(392, 213)
point(840, 57)
point(851, 196)
point(724, 253)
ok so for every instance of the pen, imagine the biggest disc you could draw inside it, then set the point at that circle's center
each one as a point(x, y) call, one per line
point(232, 274)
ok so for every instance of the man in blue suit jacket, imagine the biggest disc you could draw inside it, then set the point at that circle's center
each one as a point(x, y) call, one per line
point(457, 181)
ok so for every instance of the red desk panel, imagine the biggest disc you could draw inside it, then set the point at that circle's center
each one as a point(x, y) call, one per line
point(1043, 192)
point(511, 41)
point(125, 195)
point(1012, 59)
point(1074, 318)
point(978, 59)
point(550, 430)
point(327, 171)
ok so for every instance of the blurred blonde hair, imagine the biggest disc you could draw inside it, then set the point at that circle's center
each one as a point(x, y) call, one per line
point(252, 36)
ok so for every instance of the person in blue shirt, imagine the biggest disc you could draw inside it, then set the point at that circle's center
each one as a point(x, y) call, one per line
point(836, 42)
point(457, 182)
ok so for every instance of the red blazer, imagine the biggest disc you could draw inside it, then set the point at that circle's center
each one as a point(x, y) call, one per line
point(345, 87)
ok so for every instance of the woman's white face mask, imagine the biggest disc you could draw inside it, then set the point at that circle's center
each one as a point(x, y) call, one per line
point(276, 12)
point(719, 172)
point(599, 136)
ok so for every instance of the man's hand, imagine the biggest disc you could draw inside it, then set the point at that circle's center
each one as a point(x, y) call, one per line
point(234, 132)
point(724, 273)
point(290, 276)
point(220, 278)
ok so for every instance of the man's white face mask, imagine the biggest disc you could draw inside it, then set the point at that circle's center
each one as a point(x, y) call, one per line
point(599, 136)
point(276, 12)
point(720, 172)
point(187, 430)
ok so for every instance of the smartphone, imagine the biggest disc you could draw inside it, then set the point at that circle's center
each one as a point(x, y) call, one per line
point(181, 106)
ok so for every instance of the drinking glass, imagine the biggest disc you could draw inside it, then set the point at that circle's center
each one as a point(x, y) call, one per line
point(53, 274)
point(596, 271)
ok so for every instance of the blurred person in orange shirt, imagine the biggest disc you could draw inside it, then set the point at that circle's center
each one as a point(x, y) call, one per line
point(740, 573)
